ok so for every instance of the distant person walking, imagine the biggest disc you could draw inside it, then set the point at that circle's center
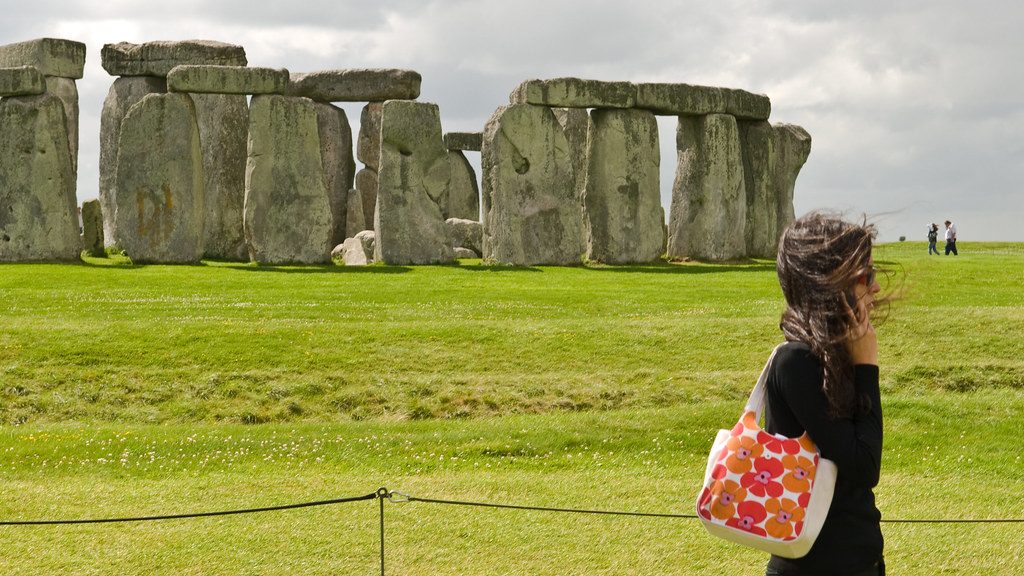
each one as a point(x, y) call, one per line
point(950, 238)
point(933, 237)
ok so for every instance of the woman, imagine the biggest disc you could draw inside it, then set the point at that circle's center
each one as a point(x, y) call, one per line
point(825, 380)
point(933, 237)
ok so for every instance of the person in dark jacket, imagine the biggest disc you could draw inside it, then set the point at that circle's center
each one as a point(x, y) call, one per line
point(933, 237)
point(824, 381)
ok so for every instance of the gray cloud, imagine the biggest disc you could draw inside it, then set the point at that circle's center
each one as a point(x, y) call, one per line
point(915, 107)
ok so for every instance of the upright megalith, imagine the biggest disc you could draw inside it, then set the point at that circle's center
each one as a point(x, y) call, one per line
point(355, 219)
point(123, 94)
point(708, 212)
point(463, 190)
point(792, 147)
point(356, 85)
point(622, 195)
point(38, 219)
point(414, 178)
point(287, 211)
point(575, 93)
point(339, 166)
point(576, 125)
point(368, 152)
point(67, 91)
point(366, 185)
point(160, 57)
point(159, 181)
point(223, 134)
point(92, 228)
point(530, 211)
point(757, 145)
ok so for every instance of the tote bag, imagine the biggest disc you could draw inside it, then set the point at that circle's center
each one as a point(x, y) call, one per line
point(765, 490)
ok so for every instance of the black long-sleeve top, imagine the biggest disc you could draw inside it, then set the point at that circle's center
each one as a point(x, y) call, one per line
point(851, 538)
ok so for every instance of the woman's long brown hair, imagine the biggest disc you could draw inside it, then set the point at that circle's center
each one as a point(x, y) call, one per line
point(820, 259)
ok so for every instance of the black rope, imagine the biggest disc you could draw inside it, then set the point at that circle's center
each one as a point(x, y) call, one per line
point(399, 497)
point(959, 521)
point(191, 515)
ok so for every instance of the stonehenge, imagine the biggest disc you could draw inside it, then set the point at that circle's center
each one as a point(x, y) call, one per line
point(203, 156)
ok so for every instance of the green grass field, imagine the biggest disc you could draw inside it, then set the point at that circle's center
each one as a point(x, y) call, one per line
point(132, 390)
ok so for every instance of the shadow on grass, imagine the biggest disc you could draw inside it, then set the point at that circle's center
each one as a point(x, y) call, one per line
point(319, 269)
point(691, 267)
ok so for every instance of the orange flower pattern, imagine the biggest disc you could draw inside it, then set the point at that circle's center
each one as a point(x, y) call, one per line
point(761, 483)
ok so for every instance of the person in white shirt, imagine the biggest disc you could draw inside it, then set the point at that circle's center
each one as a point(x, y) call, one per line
point(950, 238)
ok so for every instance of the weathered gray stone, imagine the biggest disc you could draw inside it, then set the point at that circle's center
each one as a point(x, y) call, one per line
point(38, 216)
point(575, 123)
point(471, 141)
point(355, 219)
point(124, 93)
point(339, 166)
point(689, 100)
point(52, 56)
point(531, 213)
point(67, 91)
point(287, 212)
point(465, 234)
point(367, 183)
point(207, 79)
point(622, 196)
point(757, 144)
point(159, 179)
point(160, 57)
point(92, 228)
point(356, 85)
point(368, 149)
point(463, 191)
point(575, 93)
point(21, 81)
point(358, 250)
point(462, 253)
point(792, 147)
point(223, 134)
point(708, 212)
point(414, 177)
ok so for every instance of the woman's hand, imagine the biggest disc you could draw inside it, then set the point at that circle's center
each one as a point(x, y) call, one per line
point(863, 342)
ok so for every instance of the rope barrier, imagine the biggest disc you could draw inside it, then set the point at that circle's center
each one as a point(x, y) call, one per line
point(399, 497)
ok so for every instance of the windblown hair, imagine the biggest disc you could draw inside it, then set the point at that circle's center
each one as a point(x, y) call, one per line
point(820, 259)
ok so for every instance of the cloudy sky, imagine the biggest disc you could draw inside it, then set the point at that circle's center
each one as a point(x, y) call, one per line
point(916, 108)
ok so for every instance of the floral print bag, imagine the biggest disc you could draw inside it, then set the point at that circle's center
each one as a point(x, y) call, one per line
point(765, 490)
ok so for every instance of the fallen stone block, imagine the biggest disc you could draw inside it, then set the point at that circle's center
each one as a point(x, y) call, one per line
point(465, 234)
point(21, 81)
point(464, 253)
point(471, 141)
point(287, 211)
point(51, 56)
point(356, 85)
point(575, 93)
point(358, 250)
point(205, 79)
point(414, 177)
point(160, 57)
point(38, 216)
point(160, 206)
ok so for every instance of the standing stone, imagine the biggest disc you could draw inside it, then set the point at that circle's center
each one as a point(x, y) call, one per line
point(38, 216)
point(575, 123)
point(465, 234)
point(463, 191)
point(92, 228)
point(792, 147)
point(287, 212)
point(757, 144)
point(160, 57)
point(52, 56)
point(159, 180)
point(367, 184)
point(355, 219)
point(622, 198)
point(124, 93)
point(531, 213)
point(708, 212)
point(414, 177)
point(339, 166)
point(67, 91)
point(223, 132)
point(368, 149)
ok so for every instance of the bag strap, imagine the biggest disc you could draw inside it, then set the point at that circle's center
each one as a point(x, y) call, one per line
point(755, 403)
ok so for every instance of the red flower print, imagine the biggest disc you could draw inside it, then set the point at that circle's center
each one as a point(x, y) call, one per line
point(748, 516)
point(761, 481)
point(778, 444)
